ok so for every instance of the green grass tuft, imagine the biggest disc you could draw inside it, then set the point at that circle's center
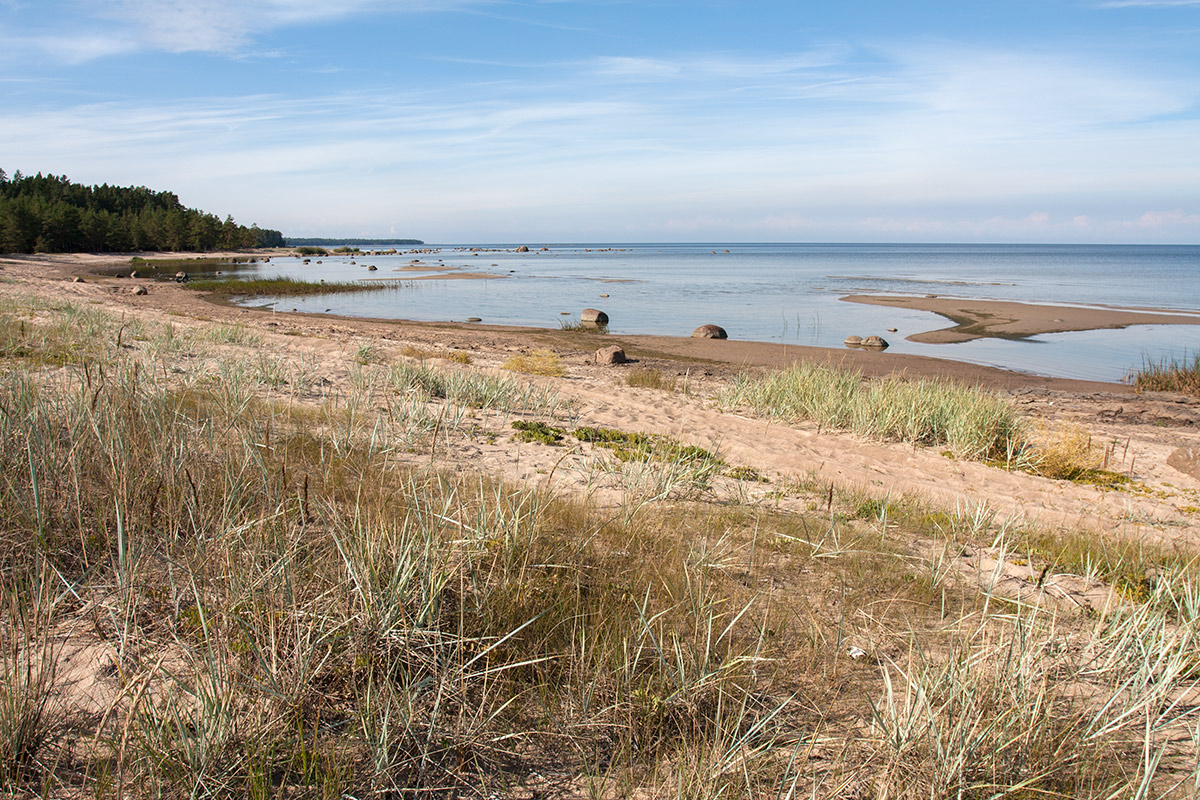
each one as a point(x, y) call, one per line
point(971, 422)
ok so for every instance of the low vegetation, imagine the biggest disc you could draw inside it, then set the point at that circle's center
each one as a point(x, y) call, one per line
point(263, 597)
point(647, 378)
point(579, 326)
point(278, 287)
point(1169, 375)
point(973, 423)
point(538, 362)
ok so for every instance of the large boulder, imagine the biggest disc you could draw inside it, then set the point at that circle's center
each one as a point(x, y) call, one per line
point(593, 316)
point(522, 249)
point(181, 277)
point(710, 332)
point(875, 343)
point(610, 355)
point(853, 340)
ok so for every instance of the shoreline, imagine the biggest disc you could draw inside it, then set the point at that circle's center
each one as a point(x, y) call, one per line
point(1010, 319)
point(974, 319)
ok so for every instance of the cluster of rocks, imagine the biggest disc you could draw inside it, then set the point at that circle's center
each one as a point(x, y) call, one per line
point(867, 343)
point(613, 354)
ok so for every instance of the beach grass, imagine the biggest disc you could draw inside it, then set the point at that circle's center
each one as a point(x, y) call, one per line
point(537, 362)
point(647, 378)
point(276, 604)
point(1169, 375)
point(971, 422)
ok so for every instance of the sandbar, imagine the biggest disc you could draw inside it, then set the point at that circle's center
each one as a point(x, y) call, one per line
point(1004, 319)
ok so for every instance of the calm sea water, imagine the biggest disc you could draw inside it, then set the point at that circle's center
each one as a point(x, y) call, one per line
point(789, 293)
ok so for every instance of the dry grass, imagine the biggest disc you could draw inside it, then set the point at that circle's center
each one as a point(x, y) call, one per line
point(647, 378)
point(289, 610)
point(426, 353)
point(1169, 375)
point(538, 362)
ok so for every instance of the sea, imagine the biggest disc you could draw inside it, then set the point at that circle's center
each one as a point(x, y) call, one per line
point(785, 293)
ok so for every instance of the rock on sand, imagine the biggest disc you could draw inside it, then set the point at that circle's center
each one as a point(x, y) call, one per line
point(610, 355)
point(710, 332)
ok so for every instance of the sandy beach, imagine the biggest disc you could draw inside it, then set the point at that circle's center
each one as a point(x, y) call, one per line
point(1153, 425)
point(977, 319)
point(869, 542)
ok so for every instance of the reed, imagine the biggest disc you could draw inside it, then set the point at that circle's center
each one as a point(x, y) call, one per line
point(279, 287)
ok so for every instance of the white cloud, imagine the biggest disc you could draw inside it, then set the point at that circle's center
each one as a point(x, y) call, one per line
point(1163, 219)
point(221, 26)
point(1148, 3)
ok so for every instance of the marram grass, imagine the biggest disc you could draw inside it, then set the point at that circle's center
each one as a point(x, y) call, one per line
point(971, 422)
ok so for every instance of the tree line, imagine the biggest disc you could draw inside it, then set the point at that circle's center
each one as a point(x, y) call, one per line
point(51, 214)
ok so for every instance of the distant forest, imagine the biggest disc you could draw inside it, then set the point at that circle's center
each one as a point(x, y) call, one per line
point(356, 242)
point(50, 214)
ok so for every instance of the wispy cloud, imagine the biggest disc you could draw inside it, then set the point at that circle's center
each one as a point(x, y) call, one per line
point(1148, 3)
point(89, 29)
point(226, 25)
point(935, 142)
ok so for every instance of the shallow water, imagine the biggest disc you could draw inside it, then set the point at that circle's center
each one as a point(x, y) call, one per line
point(789, 293)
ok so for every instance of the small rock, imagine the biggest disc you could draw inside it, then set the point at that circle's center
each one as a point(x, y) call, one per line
point(604, 295)
point(875, 342)
point(564, 313)
point(593, 316)
point(372, 268)
point(710, 332)
point(853, 341)
point(474, 319)
point(138, 290)
point(610, 355)
point(77, 279)
point(181, 277)
point(892, 330)
point(135, 274)
point(522, 249)
point(1186, 460)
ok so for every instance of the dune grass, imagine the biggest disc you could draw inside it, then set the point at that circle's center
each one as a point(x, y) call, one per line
point(973, 423)
point(1169, 375)
point(282, 607)
point(647, 378)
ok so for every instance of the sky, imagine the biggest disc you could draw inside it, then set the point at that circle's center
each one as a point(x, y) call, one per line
point(624, 120)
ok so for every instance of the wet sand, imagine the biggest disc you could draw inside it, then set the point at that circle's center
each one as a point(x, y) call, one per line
point(1002, 319)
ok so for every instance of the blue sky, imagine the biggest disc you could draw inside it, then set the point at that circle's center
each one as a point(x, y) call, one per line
point(607, 120)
